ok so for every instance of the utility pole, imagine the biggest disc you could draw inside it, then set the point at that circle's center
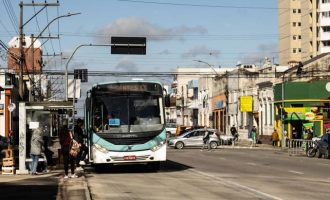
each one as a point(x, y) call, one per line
point(22, 42)
point(21, 56)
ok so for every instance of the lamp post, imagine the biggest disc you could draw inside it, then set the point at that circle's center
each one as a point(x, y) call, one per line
point(200, 61)
point(32, 43)
point(70, 58)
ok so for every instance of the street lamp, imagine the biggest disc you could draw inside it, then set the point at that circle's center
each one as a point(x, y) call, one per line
point(67, 63)
point(200, 61)
point(32, 43)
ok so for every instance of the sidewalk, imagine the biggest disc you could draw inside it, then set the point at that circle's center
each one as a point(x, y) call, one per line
point(50, 185)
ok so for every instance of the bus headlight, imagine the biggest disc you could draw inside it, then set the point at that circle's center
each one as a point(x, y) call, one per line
point(157, 147)
point(100, 148)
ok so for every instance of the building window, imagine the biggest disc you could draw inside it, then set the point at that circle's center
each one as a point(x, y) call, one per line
point(294, 50)
point(326, 43)
point(326, 28)
point(326, 14)
point(325, 1)
point(296, 37)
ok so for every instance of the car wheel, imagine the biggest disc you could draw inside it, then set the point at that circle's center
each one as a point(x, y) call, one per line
point(179, 145)
point(213, 145)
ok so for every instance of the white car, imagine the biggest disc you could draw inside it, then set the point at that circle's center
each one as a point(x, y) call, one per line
point(170, 129)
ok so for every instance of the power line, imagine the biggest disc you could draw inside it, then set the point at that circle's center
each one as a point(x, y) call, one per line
point(202, 5)
point(11, 15)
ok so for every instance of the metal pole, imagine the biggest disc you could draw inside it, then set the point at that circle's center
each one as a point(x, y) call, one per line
point(282, 117)
point(21, 56)
point(67, 63)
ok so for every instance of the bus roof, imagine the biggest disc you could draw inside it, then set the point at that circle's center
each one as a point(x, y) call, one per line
point(126, 81)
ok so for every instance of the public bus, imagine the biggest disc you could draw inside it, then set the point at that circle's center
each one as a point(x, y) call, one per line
point(125, 122)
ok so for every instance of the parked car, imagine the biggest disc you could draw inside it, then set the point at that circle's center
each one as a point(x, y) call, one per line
point(194, 138)
point(324, 144)
point(183, 129)
point(170, 129)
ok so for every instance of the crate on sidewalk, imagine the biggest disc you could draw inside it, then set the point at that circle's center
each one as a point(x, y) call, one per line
point(8, 153)
point(8, 170)
point(8, 162)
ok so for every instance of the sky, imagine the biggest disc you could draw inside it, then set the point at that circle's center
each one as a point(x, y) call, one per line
point(221, 33)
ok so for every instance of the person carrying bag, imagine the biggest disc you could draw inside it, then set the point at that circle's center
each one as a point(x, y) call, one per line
point(69, 149)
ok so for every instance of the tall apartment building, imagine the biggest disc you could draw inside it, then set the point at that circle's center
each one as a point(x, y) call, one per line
point(304, 27)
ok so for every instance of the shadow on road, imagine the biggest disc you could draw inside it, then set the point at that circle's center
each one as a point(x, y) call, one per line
point(167, 166)
point(31, 188)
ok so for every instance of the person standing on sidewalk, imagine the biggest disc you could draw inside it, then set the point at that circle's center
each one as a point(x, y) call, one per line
point(79, 137)
point(254, 136)
point(65, 141)
point(36, 149)
point(275, 138)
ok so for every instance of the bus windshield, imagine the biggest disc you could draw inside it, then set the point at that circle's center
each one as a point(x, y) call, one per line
point(127, 113)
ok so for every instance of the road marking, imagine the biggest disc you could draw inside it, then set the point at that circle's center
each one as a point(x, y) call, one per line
point(236, 186)
point(324, 164)
point(250, 163)
point(296, 172)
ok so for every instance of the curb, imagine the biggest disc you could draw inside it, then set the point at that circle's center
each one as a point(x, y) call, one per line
point(73, 189)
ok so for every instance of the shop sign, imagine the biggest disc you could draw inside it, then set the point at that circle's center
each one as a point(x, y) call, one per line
point(303, 113)
point(245, 103)
point(219, 104)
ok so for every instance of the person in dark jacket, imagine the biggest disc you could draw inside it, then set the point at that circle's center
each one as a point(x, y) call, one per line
point(65, 141)
point(79, 137)
point(36, 149)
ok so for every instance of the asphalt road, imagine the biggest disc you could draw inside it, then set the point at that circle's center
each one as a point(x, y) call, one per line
point(221, 174)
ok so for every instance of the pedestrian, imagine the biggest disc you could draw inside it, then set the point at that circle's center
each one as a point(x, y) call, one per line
point(36, 149)
point(275, 137)
point(79, 137)
point(206, 140)
point(254, 136)
point(234, 133)
point(65, 141)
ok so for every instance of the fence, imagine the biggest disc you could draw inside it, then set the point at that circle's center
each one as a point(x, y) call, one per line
point(298, 146)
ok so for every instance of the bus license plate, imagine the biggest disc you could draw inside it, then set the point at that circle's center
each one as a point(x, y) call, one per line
point(129, 157)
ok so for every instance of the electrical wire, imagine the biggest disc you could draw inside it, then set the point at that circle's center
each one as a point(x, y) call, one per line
point(11, 15)
point(202, 5)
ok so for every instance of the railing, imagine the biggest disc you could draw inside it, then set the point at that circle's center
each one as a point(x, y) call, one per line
point(298, 147)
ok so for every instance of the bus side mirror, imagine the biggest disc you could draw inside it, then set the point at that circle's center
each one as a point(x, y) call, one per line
point(167, 100)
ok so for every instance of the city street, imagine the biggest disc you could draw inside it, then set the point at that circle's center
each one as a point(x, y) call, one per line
point(221, 174)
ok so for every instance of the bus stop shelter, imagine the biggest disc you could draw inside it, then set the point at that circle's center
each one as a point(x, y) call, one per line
point(27, 110)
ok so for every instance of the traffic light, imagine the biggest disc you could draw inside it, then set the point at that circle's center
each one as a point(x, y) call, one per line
point(81, 74)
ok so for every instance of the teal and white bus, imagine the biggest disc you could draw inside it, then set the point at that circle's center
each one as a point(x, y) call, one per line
point(125, 122)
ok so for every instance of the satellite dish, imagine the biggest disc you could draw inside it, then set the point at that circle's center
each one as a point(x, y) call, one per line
point(11, 107)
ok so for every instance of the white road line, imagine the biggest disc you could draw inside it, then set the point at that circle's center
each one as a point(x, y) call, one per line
point(296, 172)
point(250, 163)
point(323, 164)
point(235, 185)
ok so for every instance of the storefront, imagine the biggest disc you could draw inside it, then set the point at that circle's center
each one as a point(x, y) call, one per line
point(219, 112)
point(302, 107)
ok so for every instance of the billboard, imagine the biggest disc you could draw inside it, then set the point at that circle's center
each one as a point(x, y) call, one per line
point(245, 103)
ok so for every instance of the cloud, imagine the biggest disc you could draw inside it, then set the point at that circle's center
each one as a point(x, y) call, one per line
point(138, 26)
point(127, 66)
point(201, 51)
